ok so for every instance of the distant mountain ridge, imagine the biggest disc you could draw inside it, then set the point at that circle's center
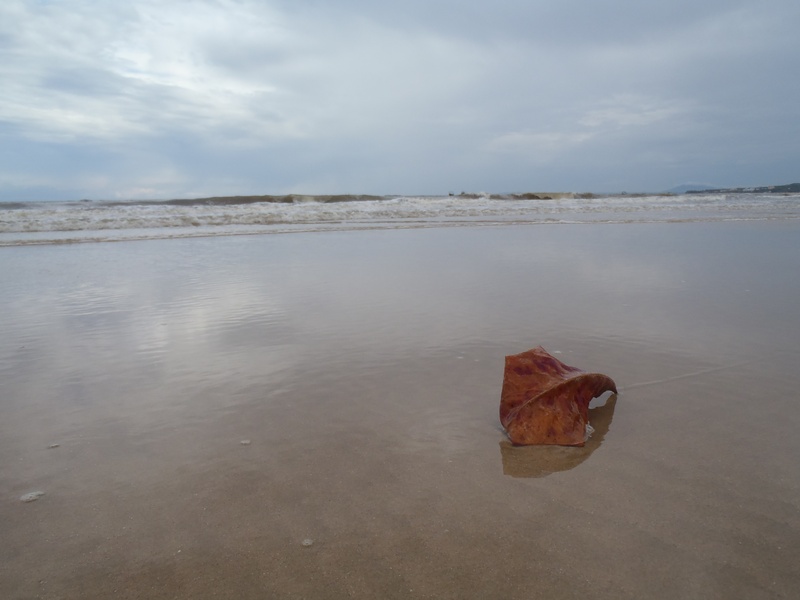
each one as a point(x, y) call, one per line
point(687, 187)
point(790, 188)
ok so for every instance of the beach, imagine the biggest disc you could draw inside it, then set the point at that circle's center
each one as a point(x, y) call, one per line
point(315, 414)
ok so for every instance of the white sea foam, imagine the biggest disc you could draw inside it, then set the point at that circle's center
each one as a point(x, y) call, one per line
point(62, 222)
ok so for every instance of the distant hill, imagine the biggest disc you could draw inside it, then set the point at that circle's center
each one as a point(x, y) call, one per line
point(791, 188)
point(690, 187)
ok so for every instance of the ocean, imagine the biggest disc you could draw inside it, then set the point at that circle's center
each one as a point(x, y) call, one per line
point(23, 223)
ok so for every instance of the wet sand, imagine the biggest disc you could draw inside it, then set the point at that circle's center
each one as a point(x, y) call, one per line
point(363, 371)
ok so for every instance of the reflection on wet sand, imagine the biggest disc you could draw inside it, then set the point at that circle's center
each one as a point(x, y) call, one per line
point(365, 369)
point(541, 461)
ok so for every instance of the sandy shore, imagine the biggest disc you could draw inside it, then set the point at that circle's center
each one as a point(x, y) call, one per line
point(315, 415)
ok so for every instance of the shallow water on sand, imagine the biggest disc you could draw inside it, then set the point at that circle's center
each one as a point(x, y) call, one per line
point(364, 369)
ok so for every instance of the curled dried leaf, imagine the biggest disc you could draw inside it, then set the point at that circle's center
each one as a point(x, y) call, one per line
point(545, 401)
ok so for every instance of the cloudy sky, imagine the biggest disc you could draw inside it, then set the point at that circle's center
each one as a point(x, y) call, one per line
point(180, 98)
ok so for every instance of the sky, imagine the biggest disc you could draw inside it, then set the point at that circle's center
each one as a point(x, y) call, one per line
point(191, 98)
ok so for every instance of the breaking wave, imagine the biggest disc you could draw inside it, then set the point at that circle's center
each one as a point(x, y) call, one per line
point(64, 222)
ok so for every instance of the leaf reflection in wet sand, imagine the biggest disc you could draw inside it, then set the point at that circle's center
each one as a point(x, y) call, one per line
point(541, 461)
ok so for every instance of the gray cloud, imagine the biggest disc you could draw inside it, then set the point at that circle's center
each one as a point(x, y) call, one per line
point(204, 97)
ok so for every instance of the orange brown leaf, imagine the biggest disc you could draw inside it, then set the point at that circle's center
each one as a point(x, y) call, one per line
point(544, 401)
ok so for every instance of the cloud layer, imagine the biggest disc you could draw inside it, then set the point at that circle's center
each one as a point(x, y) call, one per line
point(199, 97)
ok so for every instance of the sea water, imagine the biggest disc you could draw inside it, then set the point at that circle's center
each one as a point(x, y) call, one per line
point(81, 221)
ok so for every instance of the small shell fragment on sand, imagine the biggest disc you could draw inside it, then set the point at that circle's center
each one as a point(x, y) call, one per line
point(307, 542)
point(31, 496)
point(54, 445)
point(245, 442)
